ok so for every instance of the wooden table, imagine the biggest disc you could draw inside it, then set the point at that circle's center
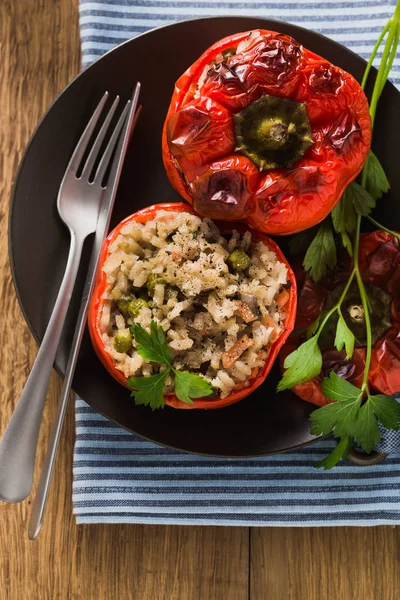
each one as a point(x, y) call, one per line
point(39, 55)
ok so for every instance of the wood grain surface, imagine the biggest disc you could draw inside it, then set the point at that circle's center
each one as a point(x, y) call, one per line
point(39, 54)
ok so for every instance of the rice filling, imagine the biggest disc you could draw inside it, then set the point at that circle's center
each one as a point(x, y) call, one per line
point(216, 297)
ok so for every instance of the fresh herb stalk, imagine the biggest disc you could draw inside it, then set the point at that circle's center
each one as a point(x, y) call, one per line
point(374, 52)
point(364, 300)
point(380, 226)
point(337, 306)
point(392, 29)
point(389, 52)
point(349, 417)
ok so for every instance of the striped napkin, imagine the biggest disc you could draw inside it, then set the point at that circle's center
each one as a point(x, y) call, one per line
point(121, 478)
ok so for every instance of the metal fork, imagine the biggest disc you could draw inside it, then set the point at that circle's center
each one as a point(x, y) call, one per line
point(79, 202)
point(103, 223)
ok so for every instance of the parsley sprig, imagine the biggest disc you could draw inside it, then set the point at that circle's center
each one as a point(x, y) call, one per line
point(306, 362)
point(348, 418)
point(356, 202)
point(150, 390)
point(354, 413)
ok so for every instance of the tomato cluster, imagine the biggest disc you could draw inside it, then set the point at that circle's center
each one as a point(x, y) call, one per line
point(380, 271)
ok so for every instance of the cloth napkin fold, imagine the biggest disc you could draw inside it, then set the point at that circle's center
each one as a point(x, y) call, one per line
point(121, 478)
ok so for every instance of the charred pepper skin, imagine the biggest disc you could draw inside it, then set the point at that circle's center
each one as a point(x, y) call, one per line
point(380, 270)
point(97, 302)
point(226, 169)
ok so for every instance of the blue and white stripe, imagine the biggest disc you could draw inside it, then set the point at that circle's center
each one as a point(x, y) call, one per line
point(356, 23)
point(119, 477)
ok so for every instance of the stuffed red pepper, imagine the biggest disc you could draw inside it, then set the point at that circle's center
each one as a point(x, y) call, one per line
point(261, 129)
point(189, 313)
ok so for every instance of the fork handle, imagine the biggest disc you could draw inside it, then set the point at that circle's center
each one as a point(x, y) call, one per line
point(42, 491)
point(19, 442)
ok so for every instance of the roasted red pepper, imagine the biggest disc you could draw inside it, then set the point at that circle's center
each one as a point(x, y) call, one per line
point(380, 270)
point(97, 303)
point(261, 129)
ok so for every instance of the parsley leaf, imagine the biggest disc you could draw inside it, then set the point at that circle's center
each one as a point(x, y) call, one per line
point(344, 337)
point(152, 346)
point(387, 409)
point(377, 182)
point(159, 341)
point(312, 329)
point(380, 407)
point(338, 453)
point(339, 416)
point(148, 390)
point(321, 254)
point(189, 386)
point(343, 215)
point(366, 429)
point(338, 389)
point(301, 365)
point(299, 243)
point(346, 242)
point(346, 417)
point(362, 200)
point(344, 219)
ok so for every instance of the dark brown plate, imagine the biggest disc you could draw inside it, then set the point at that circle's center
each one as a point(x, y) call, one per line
point(264, 423)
